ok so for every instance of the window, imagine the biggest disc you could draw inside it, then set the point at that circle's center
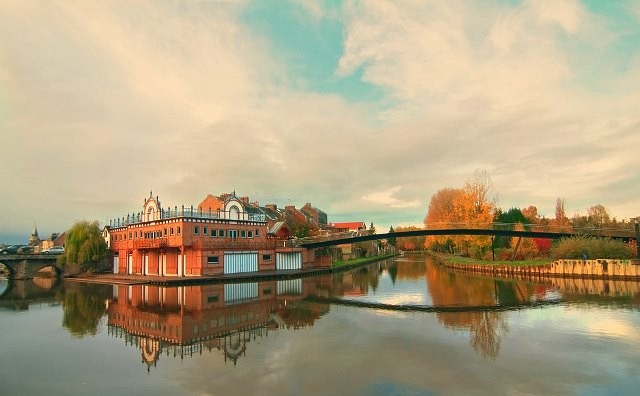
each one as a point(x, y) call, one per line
point(249, 234)
point(195, 230)
point(204, 231)
point(165, 232)
point(266, 291)
point(214, 233)
point(178, 230)
point(257, 232)
point(135, 234)
point(125, 237)
point(221, 233)
point(171, 231)
point(129, 234)
point(212, 260)
point(243, 234)
point(266, 257)
point(212, 298)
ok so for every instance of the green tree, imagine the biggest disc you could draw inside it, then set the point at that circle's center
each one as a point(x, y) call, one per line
point(392, 240)
point(84, 244)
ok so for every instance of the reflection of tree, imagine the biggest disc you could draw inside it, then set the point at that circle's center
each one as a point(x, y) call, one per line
point(455, 289)
point(301, 314)
point(487, 330)
point(83, 307)
point(393, 273)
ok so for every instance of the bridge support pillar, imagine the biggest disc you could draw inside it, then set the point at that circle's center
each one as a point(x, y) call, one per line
point(515, 250)
point(637, 239)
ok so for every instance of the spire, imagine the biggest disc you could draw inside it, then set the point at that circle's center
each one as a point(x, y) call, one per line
point(35, 230)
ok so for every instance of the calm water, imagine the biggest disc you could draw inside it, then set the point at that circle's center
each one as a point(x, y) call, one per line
point(403, 327)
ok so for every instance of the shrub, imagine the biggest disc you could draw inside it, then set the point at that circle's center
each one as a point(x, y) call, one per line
point(581, 247)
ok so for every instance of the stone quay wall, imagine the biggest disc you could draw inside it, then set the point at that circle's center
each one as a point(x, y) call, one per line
point(595, 269)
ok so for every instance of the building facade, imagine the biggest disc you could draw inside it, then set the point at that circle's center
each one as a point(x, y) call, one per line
point(223, 235)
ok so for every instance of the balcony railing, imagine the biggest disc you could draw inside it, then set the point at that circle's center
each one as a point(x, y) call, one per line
point(135, 218)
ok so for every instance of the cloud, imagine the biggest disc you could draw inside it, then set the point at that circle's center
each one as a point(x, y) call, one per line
point(100, 102)
point(386, 198)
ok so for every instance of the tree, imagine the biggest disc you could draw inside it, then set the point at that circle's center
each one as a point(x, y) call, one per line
point(531, 214)
point(410, 243)
point(372, 228)
point(598, 216)
point(471, 206)
point(299, 226)
point(84, 244)
point(392, 240)
point(561, 215)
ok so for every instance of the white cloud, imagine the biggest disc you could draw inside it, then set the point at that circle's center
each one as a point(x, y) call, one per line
point(118, 98)
point(387, 198)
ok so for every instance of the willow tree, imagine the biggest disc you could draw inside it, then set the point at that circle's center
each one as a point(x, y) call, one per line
point(84, 244)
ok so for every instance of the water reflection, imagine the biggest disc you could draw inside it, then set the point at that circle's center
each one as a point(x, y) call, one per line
point(18, 295)
point(226, 319)
point(182, 321)
point(83, 306)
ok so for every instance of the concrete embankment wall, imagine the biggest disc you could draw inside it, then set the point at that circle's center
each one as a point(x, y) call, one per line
point(597, 269)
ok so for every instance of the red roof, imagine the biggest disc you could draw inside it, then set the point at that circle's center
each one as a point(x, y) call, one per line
point(350, 225)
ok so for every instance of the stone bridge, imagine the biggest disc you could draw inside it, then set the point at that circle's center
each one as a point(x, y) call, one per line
point(25, 266)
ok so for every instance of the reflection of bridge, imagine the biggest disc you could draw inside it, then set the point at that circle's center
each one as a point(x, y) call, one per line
point(332, 241)
point(25, 266)
point(20, 294)
point(422, 308)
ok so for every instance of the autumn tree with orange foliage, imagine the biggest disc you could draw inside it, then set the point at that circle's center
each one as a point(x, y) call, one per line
point(469, 207)
point(410, 243)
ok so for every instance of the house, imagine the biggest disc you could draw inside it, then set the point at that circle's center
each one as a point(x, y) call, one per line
point(315, 215)
point(350, 226)
point(222, 235)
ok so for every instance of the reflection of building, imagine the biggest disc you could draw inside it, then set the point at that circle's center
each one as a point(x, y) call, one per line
point(180, 321)
point(223, 235)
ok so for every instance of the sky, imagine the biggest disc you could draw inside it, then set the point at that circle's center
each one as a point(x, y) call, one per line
point(363, 108)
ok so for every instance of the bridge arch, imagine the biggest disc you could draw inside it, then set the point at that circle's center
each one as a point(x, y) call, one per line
point(11, 271)
point(5, 287)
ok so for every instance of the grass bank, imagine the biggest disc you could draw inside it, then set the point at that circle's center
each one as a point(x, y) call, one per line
point(445, 258)
point(359, 261)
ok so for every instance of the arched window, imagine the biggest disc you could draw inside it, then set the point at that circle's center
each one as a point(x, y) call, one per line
point(234, 213)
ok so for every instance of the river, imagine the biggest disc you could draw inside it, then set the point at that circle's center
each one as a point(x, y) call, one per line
point(398, 327)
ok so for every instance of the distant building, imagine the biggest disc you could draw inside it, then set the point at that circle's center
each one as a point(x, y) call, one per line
point(55, 239)
point(350, 226)
point(316, 215)
point(34, 240)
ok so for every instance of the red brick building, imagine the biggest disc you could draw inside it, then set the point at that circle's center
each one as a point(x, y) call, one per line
point(223, 235)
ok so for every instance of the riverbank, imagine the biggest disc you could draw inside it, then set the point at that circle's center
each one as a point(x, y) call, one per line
point(592, 269)
point(123, 279)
